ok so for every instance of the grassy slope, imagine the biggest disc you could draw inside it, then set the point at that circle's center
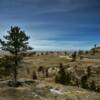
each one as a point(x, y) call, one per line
point(40, 90)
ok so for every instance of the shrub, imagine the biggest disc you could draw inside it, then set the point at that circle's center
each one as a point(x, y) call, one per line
point(93, 86)
point(84, 82)
point(74, 55)
point(88, 71)
point(61, 77)
point(34, 76)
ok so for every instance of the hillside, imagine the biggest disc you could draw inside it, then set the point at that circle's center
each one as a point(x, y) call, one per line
point(45, 88)
point(40, 90)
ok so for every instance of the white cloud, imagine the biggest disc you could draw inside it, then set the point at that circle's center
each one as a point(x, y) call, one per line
point(60, 45)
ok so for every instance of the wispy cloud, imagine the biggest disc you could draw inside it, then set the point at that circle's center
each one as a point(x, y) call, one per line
point(54, 24)
point(60, 45)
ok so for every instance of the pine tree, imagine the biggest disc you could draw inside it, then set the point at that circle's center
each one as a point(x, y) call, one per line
point(94, 49)
point(80, 54)
point(61, 77)
point(15, 42)
point(74, 55)
point(65, 53)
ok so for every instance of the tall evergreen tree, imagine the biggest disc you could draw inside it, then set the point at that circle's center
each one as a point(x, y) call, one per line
point(15, 42)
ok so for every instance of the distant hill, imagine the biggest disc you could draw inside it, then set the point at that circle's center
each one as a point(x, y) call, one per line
point(95, 55)
point(2, 53)
point(98, 49)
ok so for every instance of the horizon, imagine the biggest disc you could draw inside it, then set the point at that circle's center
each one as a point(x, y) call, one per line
point(54, 25)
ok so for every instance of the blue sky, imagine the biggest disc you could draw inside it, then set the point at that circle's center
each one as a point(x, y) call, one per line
point(54, 24)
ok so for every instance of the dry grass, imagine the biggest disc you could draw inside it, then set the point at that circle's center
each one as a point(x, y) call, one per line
point(41, 89)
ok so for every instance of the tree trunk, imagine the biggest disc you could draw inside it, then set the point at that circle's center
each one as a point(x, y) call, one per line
point(15, 74)
point(15, 71)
